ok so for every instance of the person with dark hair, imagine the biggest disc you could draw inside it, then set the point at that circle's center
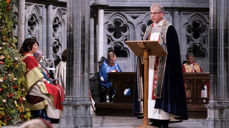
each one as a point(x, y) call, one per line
point(191, 65)
point(40, 94)
point(57, 60)
point(60, 73)
point(100, 62)
point(166, 93)
point(108, 65)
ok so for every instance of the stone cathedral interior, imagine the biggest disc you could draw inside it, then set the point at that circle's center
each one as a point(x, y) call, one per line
point(90, 28)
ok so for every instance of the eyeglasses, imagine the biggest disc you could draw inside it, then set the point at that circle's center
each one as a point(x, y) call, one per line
point(154, 13)
point(111, 60)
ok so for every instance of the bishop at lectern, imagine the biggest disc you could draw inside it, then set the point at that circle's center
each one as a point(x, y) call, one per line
point(166, 94)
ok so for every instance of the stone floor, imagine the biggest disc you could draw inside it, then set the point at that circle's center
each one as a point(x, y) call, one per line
point(133, 122)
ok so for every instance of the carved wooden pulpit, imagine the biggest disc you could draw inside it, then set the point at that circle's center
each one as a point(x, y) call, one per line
point(146, 48)
point(197, 93)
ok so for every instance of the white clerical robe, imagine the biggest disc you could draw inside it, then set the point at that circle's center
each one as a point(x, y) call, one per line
point(154, 113)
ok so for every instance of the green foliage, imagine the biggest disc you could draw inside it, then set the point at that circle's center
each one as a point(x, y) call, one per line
point(12, 69)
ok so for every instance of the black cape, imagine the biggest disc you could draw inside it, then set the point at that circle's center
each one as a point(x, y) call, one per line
point(173, 99)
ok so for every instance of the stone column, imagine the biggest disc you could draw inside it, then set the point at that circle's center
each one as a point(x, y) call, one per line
point(218, 107)
point(77, 105)
point(21, 22)
point(49, 51)
point(99, 4)
point(96, 44)
point(92, 47)
point(100, 33)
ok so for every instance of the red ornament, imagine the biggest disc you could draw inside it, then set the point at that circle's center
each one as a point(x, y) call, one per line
point(7, 1)
point(0, 89)
point(10, 95)
point(15, 86)
point(1, 62)
point(22, 116)
point(8, 8)
point(0, 117)
point(20, 100)
point(7, 118)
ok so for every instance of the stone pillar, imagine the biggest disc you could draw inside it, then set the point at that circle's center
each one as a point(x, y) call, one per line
point(21, 22)
point(99, 4)
point(96, 44)
point(92, 48)
point(49, 51)
point(218, 107)
point(176, 23)
point(77, 105)
point(100, 33)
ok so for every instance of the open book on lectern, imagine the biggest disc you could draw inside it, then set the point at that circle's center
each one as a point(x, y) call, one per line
point(153, 47)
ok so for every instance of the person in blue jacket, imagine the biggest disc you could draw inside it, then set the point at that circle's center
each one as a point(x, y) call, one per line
point(109, 65)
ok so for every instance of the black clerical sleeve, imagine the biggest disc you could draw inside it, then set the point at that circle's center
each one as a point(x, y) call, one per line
point(173, 98)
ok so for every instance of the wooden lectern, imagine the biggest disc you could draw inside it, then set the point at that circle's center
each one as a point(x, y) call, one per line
point(146, 48)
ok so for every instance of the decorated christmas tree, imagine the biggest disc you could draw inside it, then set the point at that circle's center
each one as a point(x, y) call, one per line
point(12, 69)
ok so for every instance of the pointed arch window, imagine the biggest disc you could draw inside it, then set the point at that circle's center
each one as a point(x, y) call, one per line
point(196, 36)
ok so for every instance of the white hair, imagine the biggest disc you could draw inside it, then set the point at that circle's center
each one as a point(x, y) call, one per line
point(37, 53)
point(157, 6)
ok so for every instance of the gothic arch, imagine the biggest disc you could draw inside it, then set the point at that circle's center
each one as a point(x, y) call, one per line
point(196, 31)
point(118, 28)
point(15, 24)
point(58, 32)
point(34, 22)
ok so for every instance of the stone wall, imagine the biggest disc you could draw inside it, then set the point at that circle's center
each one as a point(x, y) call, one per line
point(126, 20)
point(47, 21)
point(115, 21)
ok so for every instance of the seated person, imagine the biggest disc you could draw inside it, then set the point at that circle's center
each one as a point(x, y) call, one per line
point(109, 65)
point(191, 65)
point(38, 56)
point(41, 96)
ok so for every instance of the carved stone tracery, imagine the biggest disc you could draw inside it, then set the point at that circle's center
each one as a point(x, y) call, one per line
point(196, 35)
point(117, 32)
point(34, 22)
point(15, 24)
point(117, 28)
point(58, 24)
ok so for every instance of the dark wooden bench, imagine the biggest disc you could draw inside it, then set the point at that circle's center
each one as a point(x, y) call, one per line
point(122, 104)
point(196, 99)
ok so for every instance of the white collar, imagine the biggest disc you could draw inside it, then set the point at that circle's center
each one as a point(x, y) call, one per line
point(159, 24)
